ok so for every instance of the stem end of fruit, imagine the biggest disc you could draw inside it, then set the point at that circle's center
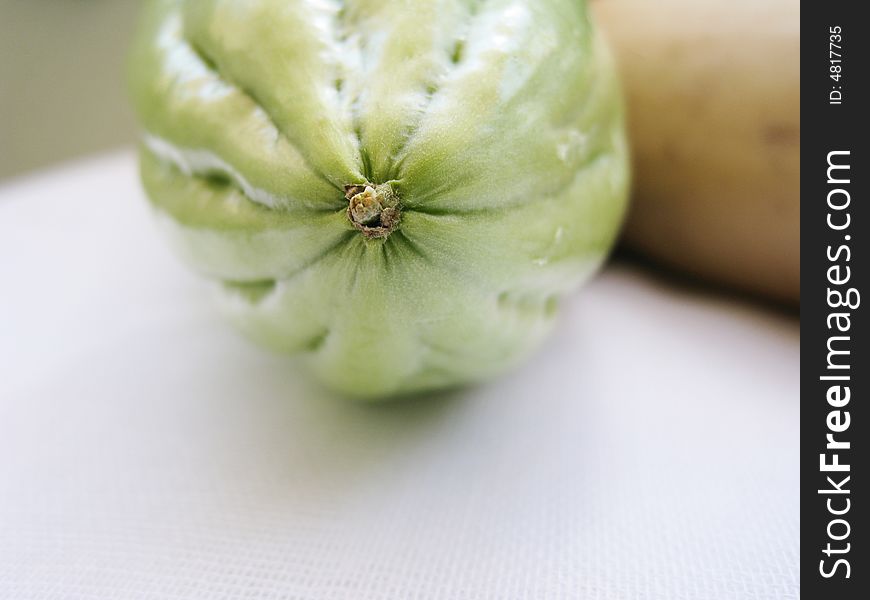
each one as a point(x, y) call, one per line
point(372, 209)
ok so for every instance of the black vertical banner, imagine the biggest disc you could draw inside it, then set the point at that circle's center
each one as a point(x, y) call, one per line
point(835, 369)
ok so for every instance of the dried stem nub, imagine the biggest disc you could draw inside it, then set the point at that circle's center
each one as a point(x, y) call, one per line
point(372, 209)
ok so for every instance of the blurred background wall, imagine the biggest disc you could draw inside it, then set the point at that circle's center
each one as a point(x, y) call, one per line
point(61, 80)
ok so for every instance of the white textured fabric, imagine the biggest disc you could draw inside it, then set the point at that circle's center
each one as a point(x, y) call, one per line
point(649, 451)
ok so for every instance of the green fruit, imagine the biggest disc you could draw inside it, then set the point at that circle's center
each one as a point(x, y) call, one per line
point(400, 191)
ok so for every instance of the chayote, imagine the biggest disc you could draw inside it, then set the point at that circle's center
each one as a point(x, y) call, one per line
point(399, 190)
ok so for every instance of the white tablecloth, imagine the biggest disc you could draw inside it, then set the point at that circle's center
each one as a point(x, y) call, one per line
point(649, 451)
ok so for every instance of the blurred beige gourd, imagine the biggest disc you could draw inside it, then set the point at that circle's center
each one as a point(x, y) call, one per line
point(714, 106)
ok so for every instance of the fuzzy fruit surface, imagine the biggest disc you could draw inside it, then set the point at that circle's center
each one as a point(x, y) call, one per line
point(400, 192)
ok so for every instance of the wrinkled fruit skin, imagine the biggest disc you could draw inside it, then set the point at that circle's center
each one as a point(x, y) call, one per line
point(399, 191)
